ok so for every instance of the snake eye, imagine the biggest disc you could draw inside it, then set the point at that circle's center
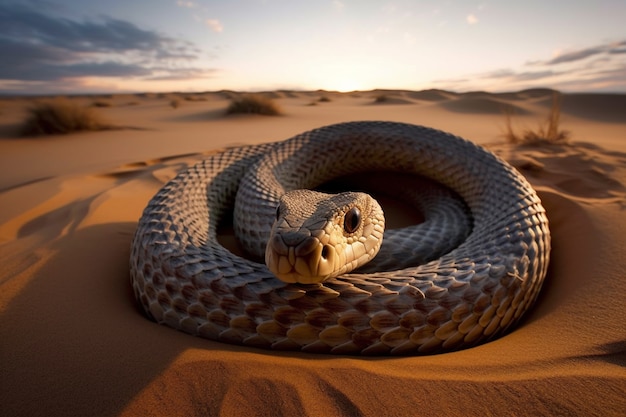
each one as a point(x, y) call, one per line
point(352, 220)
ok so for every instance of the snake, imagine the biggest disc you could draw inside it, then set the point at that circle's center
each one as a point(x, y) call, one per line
point(472, 291)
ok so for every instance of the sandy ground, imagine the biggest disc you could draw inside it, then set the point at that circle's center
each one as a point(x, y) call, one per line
point(73, 342)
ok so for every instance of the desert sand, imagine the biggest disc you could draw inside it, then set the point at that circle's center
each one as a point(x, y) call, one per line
point(74, 343)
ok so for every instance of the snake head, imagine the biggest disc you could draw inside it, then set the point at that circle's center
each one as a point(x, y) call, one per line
point(317, 236)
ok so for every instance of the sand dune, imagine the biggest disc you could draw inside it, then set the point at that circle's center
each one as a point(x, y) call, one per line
point(73, 342)
point(605, 108)
point(431, 95)
point(482, 105)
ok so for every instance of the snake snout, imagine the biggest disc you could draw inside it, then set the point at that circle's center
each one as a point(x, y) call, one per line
point(299, 257)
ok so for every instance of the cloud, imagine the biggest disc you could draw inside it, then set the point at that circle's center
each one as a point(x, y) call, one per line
point(517, 76)
point(598, 68)
point(471, 19)
point(534, 75)
point(499, 73)
point(186, 4)
point(338, 5)
point(619, 48)
point(183, 74)
point(215, 25)
point(581, 54)
point(574, 56)
point(44, 47)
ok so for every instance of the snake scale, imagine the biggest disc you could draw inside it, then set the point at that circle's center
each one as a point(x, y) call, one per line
point(184, 278)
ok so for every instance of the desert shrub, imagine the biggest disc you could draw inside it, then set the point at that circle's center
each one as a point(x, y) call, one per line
point(547, 132)
point(101, 103)
point(60, 116)
point(324, 99)
point(195, 98)
point(253, 104)
point(175, 103)
point(381, 98)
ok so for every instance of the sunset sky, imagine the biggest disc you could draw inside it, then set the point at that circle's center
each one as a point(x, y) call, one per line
point(77, 46)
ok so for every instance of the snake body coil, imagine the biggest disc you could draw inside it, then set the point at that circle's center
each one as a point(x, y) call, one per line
point(183, 277)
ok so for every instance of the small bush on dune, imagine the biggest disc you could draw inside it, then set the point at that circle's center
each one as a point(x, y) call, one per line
point(195, 98)
point(253, 104)
point(381, 98)
point(60, 116)
point(101, 103)
point(548, 132)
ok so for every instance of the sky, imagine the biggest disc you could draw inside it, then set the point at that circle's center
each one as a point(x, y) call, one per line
point(113, 46)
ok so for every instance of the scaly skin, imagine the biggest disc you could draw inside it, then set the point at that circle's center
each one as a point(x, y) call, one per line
point(184, 278)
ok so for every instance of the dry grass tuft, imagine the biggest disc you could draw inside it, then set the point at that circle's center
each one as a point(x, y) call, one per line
point(101, 103)
point(548, 132)
point(61, 116)
point(195, 98)
point(381, 98)
point(253, 104)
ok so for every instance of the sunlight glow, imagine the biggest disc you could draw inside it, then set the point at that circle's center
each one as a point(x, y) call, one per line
point(345, 85)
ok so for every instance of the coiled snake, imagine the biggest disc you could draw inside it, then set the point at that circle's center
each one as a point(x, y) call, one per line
point(473, 292)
